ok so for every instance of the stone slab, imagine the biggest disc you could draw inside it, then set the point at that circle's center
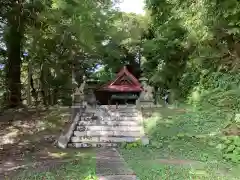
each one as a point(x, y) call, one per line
point(109, 128)
point(124, 114)
point(83, 139)
point(118, 139)
point(91, 118)
point(94, 133)
point(64, 139)
point(123, 118)
point(91, 111)
point(89, 145)
point(107, 133)
point(120, 123)
point(87, 122)
point(113, 107)
point(151, 106)
point(118, 177)
point(120, 118)
point(89, 139)
point(87, 114)
point(109, 163)
point(110, 123)
point(124, 110)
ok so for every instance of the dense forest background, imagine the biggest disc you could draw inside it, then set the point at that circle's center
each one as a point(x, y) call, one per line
point(191, 48)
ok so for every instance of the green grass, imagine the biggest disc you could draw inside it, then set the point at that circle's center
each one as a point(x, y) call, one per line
point(190, 136)
point(152, 170)
point(81, 168)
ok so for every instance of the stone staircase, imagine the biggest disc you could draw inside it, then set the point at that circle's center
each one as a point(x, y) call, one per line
point(107, 127)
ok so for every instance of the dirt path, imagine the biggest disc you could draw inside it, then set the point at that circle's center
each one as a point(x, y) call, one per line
point(27, 138)
point(111, 166)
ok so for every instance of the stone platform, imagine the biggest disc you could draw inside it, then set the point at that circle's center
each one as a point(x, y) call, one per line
point(111, 166)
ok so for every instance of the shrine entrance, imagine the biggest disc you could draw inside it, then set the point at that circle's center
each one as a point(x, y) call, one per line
point(124, 98)
point(125, 89)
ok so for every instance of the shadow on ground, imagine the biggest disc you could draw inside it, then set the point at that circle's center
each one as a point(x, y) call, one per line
point(28, 139)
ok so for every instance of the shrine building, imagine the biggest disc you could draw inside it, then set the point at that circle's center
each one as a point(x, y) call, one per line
point(125, 88)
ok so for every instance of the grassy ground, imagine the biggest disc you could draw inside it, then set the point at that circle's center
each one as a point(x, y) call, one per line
point(81, 166)
point(28, 152)
point(182, 146)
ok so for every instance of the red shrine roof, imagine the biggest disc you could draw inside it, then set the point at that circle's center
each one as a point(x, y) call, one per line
point(125, 82)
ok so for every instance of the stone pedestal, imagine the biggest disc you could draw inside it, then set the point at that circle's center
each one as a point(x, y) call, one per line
point(146, 96)
point(146, 103)
point(90, 98)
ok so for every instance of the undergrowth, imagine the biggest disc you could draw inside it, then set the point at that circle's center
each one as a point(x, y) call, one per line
point(193, 135)
point(79, 169)
point(220, 92)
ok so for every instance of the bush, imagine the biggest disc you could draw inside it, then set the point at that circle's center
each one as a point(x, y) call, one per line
point(130, 145)
point(230, 147)
point(222, 99)
point(220, 92)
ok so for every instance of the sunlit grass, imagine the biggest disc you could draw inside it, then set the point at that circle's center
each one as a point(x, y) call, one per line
point(184, 136)
point(151, 168)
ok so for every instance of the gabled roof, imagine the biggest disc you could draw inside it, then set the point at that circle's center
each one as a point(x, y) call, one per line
point(124, 71)
point(132, 84)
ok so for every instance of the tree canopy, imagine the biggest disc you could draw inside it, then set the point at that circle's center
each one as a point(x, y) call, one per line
point(178, 45)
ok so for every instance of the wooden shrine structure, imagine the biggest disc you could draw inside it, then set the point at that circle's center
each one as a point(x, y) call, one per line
point(125, 88)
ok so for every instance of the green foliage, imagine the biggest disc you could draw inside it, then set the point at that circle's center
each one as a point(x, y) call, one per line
point(66, 38)
point(230, 147)
point(224, 81)
point(181, 140)
point(192, 45)
point(103, 75)
point(192, 124)
point(130, 145)
point(217, 91)
point(222, 99)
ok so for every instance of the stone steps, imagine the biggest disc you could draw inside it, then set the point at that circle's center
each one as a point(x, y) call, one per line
point(92, 118)
point(102, 139)
point(116, 116)
point(119, 106)
point(124, 110)
point(110, 123)
point(118, 177)
point(87, 114)
point(108, 133)
point(110, 165)
point(124, 114)
point(113, 118)
point(109, 128)
point(123, 118)
point(89, 145)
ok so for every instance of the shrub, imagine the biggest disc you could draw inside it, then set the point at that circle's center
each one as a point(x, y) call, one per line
point(230, 146)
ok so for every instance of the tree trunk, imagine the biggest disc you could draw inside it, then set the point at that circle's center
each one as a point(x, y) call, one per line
point(44, 89)
point(34, 91)
point(50, 96)
point(29, 97)
point(13, 70)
